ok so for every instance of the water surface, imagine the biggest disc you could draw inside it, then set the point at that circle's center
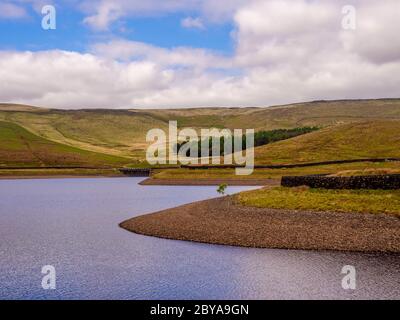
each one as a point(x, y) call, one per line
point(72, 224)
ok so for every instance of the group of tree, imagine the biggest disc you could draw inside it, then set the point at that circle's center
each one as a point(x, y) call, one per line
point(260, 138)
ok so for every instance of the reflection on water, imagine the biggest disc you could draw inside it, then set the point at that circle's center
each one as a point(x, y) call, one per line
point(73, 225)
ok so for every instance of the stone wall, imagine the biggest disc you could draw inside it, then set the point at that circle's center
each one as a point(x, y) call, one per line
point(136, 172)
point(286, 166)
point(384, 182)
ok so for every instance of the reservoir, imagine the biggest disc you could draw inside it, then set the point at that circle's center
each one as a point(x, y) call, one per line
point(72, 224)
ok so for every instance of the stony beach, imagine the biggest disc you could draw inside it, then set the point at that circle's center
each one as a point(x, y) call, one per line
point(224, 221)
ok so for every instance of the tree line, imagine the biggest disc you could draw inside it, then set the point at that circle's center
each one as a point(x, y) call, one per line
point(260, 138)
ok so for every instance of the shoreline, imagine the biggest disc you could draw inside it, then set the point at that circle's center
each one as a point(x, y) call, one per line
point(209, 182)
point(57, 173)
point(222, 221)
point(150, 181)
point(39, 177)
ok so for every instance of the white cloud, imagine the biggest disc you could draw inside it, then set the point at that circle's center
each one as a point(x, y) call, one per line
point(71, 80)
point(376, 36)
point(190, 22)
point(11, 11)
point(107, 13)
point(176, 57)
point(102, 13)
point(285, 51)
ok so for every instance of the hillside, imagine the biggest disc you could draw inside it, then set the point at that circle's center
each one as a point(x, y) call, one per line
point(120, 133)
point(367, 139)
point(318, 113)
point(123, 132)
point(21, 148)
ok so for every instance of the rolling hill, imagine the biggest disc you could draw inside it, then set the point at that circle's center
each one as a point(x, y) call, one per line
point(21, 148)
point(123, 132)
point(360, 140)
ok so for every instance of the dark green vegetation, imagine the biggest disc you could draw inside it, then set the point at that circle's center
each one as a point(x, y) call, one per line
point(222, 188)
point(303, 198)
point(260, 138)
point(21, 148)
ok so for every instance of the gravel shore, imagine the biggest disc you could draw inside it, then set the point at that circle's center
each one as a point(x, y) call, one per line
point(223, 221)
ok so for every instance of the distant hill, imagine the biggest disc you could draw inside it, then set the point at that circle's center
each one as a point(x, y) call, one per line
point(21, 148)
point(367, 139)
point(317, 113)
point(123, 132)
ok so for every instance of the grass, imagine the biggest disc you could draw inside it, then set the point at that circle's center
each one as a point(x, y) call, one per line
point(303, 198)
point(21, 148)
point(198, 174)
point(366, 172)
point(48, 137)
point(118, 133)
point(123, 132)
point(323, 113)
point(372, 139)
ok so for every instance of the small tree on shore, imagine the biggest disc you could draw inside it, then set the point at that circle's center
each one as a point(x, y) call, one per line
point(221, 188)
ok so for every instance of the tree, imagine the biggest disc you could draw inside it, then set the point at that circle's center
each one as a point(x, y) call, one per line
point(221, 188)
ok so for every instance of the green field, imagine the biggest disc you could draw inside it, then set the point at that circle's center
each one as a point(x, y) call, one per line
point(21, 148)
point(303, 198)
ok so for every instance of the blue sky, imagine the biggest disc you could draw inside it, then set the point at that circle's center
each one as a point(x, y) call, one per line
point(198, 53)
point(26, 33)
point(163, 30)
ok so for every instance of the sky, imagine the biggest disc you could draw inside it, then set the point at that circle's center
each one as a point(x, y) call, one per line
point(197, 53)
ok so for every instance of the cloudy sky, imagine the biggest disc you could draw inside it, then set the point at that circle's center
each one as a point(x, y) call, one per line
point(186, 53)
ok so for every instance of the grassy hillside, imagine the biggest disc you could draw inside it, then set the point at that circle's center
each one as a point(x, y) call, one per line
point(123, 132)
point(120, 133)
point(319, 113)
point(371, 139)
point(21, 148)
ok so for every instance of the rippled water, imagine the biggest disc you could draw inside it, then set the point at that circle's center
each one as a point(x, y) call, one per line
point(72, 224)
